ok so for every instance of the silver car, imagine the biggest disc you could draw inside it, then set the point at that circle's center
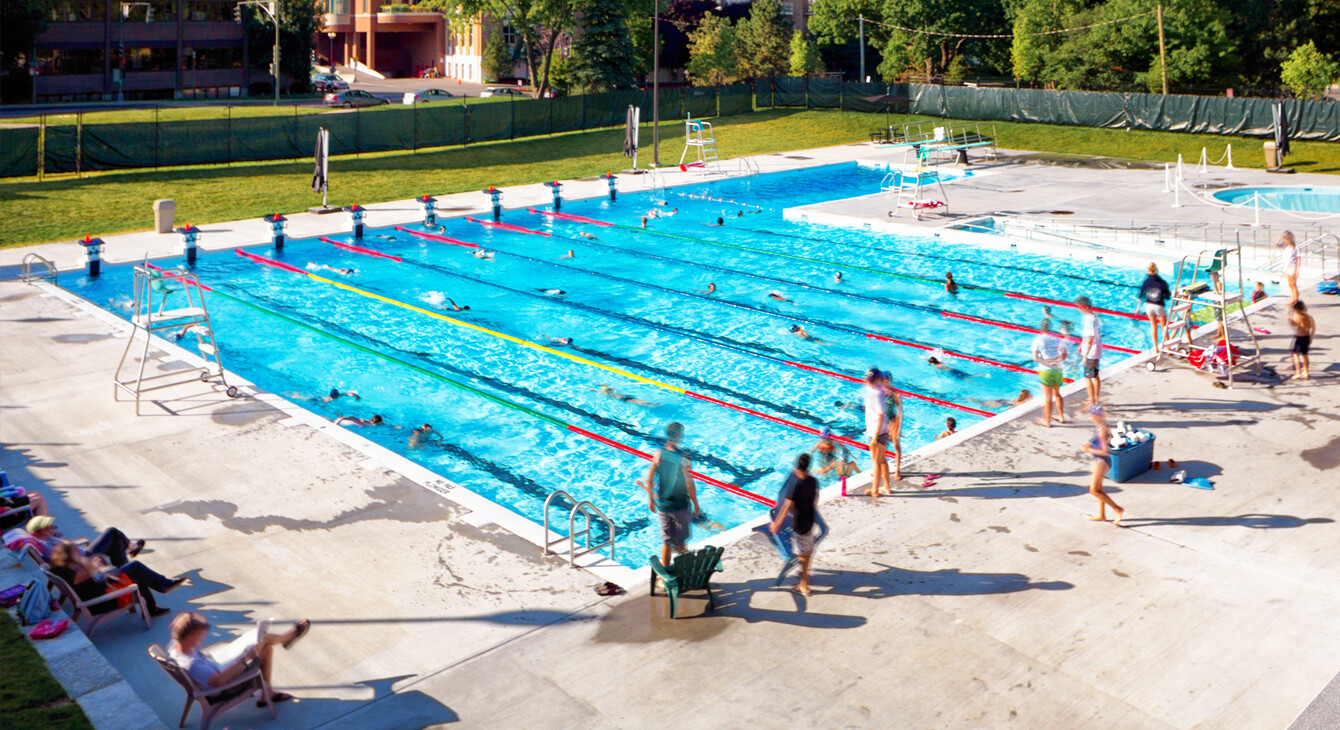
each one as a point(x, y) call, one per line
point(500, 91)
point(354, 97)
point(423, 96)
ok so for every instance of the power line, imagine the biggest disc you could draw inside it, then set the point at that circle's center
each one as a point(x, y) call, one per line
point(1009, 35)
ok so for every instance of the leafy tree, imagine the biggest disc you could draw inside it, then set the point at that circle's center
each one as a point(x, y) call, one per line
point(21, 21)
point(712, 59)
point(763, 41)
point(903, 52)
point(602, 54)
point(539, 24)
point(496, 61)
point(1308, 73)
point(1028, 51)
point(805, 60)
point(299, 23)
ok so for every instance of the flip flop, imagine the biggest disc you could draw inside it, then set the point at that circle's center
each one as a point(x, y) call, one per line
point(1172, 463)
point(1199, 483)
point(276, 698)
point(302, 627)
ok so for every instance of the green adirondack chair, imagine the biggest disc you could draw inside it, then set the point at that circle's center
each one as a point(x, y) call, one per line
point(690, 572)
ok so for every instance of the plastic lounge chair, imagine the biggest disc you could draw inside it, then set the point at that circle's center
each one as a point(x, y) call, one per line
point(94, 610)
point(16, 517)
point(213, 700)
point(690, 572)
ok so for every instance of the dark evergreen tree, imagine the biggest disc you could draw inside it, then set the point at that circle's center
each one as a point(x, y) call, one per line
point(603, 56)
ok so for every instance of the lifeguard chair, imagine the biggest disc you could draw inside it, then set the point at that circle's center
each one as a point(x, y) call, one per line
point(698, 136)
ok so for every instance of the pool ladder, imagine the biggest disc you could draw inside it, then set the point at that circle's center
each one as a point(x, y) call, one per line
point(587, 510)
point(28, 272)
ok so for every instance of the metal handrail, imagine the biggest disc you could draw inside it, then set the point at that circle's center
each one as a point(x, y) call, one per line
point(1312, 247)
point(26, 271)
point(587, 510)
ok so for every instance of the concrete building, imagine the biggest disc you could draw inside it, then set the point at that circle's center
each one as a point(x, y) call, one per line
point(398, 40)
point(173, 49)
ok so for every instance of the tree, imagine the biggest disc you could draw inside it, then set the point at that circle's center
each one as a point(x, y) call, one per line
point(1308, 73)
point(603, 55)
point(21, 21)
point(805, 60)
point(1029, 51)
point(299, 23)
point(712, 59)
point(763, 41)
point(496, 61)
point(538, 24)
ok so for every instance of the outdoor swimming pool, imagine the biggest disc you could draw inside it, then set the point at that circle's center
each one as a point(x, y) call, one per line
point(517, 422)
point(1297, 198)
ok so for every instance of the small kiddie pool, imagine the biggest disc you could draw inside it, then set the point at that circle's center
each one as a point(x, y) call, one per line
point(1297, 198)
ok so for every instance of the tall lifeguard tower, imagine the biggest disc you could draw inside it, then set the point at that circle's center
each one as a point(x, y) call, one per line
point(698, 136)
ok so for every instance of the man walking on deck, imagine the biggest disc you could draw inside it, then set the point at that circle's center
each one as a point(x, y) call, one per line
point(1090, 347)
point(670, 492)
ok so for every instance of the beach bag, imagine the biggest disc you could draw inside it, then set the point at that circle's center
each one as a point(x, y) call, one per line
point(118, 581)
point(36, 603)
point(48, 629)
point(11, 595)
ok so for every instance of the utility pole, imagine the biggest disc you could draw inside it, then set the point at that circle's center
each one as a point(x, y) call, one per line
point(656, 85)
point(121, 44)
point(271, 7)
point(1163, 55)
point(861, 19)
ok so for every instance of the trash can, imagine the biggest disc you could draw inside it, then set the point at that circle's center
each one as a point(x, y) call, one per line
point(1132, 461)
point(164, 212)
point(1272, 157)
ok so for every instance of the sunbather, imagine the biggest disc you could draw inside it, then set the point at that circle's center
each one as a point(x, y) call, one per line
point(112, 543)
point(225, 663)
point(91, 577)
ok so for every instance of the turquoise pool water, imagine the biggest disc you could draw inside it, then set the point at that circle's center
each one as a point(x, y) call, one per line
point(634, 300)
point(1297, 198)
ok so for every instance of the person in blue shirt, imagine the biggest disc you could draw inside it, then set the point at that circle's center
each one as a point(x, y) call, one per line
point(1154, 295)
point(671, 492)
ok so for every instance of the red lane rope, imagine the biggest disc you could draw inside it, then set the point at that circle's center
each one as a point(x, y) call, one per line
point(569, 217)
point(174, 275)
point(360, 249)
point(507, 227)
point(435, 237)
point(1021, 328)
point(1044, 300)
point(701, 477)
point(951, 353)
point(269, 262)
point(908, 393)
point(799, 427)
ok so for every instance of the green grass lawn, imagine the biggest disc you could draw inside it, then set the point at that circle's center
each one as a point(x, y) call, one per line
point(29, 695)
point(108, 203)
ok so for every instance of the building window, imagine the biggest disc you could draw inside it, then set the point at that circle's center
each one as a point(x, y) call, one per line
point(151, 59)
point(338, 7)
point(78, 11)
point(68, 62)
point(209, 10)
point(788, 9)
point(509, 35)
point(209, 59)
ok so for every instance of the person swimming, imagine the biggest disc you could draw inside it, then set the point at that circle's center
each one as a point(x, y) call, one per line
point(337, 270)
point(457, 307)
point(199, 332)
point(560, 341)
point(952, 372)
point(422, 435)
point(720, 222)
point(552, 292)
point(951, 286)
point(1024, 396)
point(777, 297)
point(483, 254)
point(800, 332)
point(837, 278)
point(609, 392)
point(711, 288)
point(336, 394)
point(385, 237)
point(376, 420)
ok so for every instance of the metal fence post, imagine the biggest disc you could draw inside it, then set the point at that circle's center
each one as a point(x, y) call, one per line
point(549, 113)
point(79, 144)
point(41, 146)
point(157, 153)
point(511, 110)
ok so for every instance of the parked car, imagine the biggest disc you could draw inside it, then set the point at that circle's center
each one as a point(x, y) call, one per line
point(354, 97)
point(500, 91)
point(327, 82)
point(423, 96)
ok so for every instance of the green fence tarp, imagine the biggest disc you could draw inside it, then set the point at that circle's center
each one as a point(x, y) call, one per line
point(489, 122)
point(737, 99)
point(825, 93)
point(530, 117)
point(700, 101)
point(790, 92)
point(565, 113)
point(18, 151)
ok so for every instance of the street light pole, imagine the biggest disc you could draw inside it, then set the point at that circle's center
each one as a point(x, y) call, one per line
point(331, 36)
point(656, 85)
point(121, 44)
point(271, 7)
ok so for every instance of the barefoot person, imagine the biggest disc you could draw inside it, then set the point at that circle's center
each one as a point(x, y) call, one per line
point(1154, 295)
point(876, 429)
point(1090, 346)
point(670, 492)
point(223, 664)
point(801, 501)
point(1304, 326)
point(1050, 353)
point(1102, 461)
point(1286, 242)
point(893, 415)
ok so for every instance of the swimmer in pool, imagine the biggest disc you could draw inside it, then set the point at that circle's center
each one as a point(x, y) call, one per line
point(323, 267)
point(552, 292)
point(952, 372)
point(376, 420)
point(847, 405)
point(197, 329)
point(560, 341)
point(800, 332)
point(386, 237)
point(644, 221)
point(951, 286)
point(951, 428)
point(739, 214)
point(711, 288)
point(483, 254)
point(1023, 397)
point(720, 222)
point(1048, 316)
point(419, 437)
point(336, 394)
point(457, 307)
point(777, 297)
point(609, 392)
point(837, 278)
point(831, 458)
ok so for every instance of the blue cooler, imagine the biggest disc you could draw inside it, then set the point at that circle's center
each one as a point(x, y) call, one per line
point(1132, 461)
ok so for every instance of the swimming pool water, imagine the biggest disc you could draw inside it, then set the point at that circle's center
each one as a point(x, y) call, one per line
point(1297, 198)
point(633, 300)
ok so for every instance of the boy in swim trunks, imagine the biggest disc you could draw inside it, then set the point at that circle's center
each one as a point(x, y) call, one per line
point(1090, 346)
point(1304, 326)
point(1050, 353)
point(876, 429)
point(670, 492)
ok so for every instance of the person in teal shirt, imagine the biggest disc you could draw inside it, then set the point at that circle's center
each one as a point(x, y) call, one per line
point(671, 492)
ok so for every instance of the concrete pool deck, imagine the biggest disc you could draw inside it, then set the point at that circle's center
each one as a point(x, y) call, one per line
point(1001, 603)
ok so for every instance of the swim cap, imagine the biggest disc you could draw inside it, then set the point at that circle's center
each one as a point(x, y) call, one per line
point(826, 435)
point(334, 393)
point(795, 328)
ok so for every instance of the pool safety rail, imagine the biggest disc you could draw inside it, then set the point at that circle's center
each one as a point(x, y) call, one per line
point(28, 271)
point(733, 489)
point(1318, 253)
point(153, 286)
point(587, 511)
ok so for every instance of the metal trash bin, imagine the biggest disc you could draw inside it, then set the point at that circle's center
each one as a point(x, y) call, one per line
point(164, 212)
point(1272, 157)
point(1131, 461)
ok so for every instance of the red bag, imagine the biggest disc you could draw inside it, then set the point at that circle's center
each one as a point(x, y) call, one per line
point(117, 581)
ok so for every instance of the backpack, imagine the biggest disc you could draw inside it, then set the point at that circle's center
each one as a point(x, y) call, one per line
point(36, 603)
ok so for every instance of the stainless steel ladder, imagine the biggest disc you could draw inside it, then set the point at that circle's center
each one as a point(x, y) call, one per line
point(27, 273)
point(149, 315)
point(587, 510)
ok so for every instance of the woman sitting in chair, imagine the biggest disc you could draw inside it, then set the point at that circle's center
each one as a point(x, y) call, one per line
point(225, 663)
point(91, 577)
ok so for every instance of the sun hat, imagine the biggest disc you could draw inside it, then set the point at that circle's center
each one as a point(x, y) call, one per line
point(40, 522)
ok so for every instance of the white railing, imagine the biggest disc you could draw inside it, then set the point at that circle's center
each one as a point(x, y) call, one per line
point(27, 271)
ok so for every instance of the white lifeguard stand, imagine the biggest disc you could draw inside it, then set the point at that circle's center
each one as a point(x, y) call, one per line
point(153, 289)
point(698, 136)
point(925, 174)
point(1205, 280)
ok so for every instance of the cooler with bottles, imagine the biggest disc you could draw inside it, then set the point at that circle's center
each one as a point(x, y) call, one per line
point(1132, 452)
